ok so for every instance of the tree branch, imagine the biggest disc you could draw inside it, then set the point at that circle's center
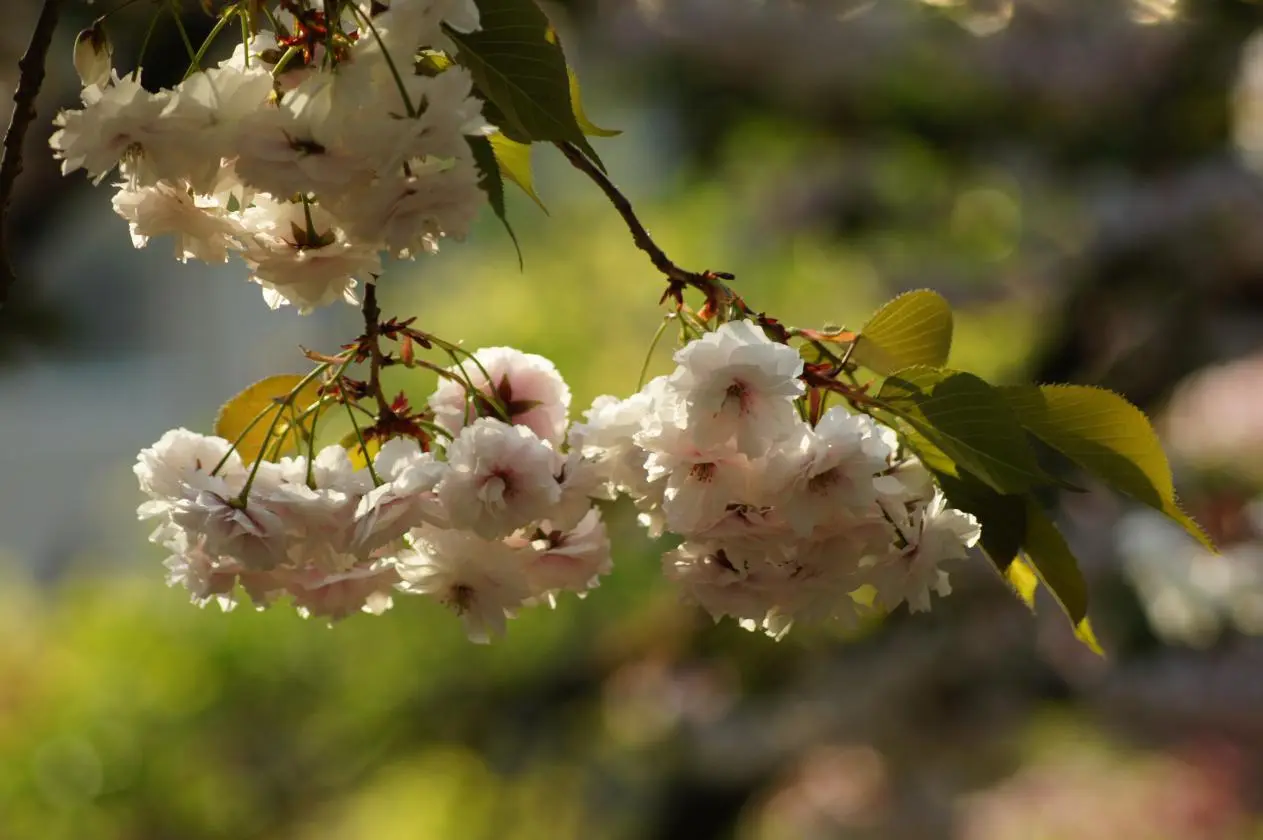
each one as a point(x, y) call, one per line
point(707, 282)
point(372, 338)
point(30, 79)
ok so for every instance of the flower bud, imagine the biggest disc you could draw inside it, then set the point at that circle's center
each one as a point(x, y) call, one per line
point(92, 56)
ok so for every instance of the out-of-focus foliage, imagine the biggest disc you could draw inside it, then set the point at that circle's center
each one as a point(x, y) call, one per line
point(128, 713)
point(1070, 182)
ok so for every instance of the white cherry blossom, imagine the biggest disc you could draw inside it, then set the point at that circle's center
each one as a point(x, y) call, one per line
point(736, 383)
point(200, 226)
point(298, 268)
point(482, 581)
point(501, 477)
point(527, 386)
point(117, 122)
point(825, 474)
point(181, 460)
point(410, 213)
point(571, 560)
point(929, 534)
point(699, 483)
point(406, 499)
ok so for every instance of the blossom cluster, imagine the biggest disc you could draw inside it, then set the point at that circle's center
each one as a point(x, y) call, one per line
point(781, 520)
point(309, 163)
point(499, 519)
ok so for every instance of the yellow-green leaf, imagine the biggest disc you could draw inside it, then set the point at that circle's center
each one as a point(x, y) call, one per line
point(576, 103)
point(247, 417)
point(431, 63)
point(1024, 581)
point(359, 457)
point(1052, 561)
point(1107, 436)
point(929, 454)
point(514, 160)
point(913, 329)
point(576, 100)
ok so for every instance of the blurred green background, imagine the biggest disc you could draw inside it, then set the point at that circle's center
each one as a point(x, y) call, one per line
point(1077, 176)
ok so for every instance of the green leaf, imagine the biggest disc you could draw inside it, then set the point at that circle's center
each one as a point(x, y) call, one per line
point(1055, 565)
point(913, 329)
point(970, 422)
point(581, 117)
point(522, 71)
point(514, 162)
point(1003, 518)
point(1004, 529)
point(1013, 526)
point(247, 417)
point(493, 185)
point(490, 181)
point(1107, 436)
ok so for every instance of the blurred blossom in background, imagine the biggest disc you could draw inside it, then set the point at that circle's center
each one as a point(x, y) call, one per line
point(1081, 179)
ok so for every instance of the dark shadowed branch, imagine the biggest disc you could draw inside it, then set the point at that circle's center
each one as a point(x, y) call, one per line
point(30, 79)
point(372, 339)
point(706, 282)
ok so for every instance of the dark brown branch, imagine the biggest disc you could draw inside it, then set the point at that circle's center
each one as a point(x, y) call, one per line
point(372, 339)
point(30, 79)
point(707, 282)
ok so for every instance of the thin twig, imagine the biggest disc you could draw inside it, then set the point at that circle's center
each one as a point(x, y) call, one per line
point(706, 282)
point(30, 79)
point(372, 338)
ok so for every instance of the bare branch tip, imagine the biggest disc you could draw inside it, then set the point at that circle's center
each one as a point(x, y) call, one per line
point(31, 70)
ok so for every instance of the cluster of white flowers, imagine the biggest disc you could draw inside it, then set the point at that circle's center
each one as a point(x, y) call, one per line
point(309, 174)
point(501, 519)
point(781, 520)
